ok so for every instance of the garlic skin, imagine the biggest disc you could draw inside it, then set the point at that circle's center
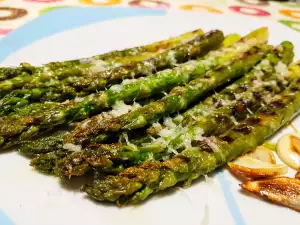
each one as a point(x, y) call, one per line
point(288, 150)
point(247, 167)
point(264, 154)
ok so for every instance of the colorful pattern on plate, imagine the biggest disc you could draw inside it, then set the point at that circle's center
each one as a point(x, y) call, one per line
point(15, 13)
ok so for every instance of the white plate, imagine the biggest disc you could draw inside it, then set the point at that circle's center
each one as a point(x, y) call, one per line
point(28, 197)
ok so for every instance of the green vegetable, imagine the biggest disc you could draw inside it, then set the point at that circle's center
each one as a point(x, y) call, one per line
point(96, 77)
point(282, 53)
point(135, 184)
point(178, 99)
point(9, 72)
point(96, 74)
point(33, 119)
point(230, 40)
point(215, 122)
point(119, 56)
point(46, 162)
point(40, 146)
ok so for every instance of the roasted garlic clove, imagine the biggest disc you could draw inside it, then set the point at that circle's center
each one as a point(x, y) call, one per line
point(288, 150)
point(282, 190)
point(251, 168)
point(295, 141)
point(264, 154)
point(298, 175)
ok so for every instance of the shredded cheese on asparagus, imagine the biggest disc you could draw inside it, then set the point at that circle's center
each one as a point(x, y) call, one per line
point(72, 147)
point(99, 66)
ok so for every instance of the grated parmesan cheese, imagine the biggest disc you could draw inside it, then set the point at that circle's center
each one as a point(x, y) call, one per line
point(85, 123)
point(126, 139)
point(157, 126)
point(281, 68)
point(198, 132)
point(149, 67)
point(178, 118)
point(265, 62)
point(78, 99)
point(116, 88)
point(190, 65)
point(91, 97)
point(99, 66)
point(120, 108)
point(172, 150)
point(187, 140)
point(85, 61)
point(128, 81)
point(166, 157)
point(166, 132)
point(72, 147)
point(169, 122)
point(212, 144)
point(280, 48)
point(249, 111)
point(234, 120)
point(171, 58)
point(257, 83)
point(267, 98)
point(238, 96)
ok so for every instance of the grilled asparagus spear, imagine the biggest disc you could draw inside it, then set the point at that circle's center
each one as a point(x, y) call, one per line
point(77, 165)
point(29, 120)
point(31, 148)
point(135, 184)
point(282, 54)
point(216, 122)
point(100, 73)
point(130, 55)
point(93, 80)
point(7, 72)
point(43, 145)
point(153, 47)
point(48, 144)
point(178, 99)
point(22, 97)
point(46, 162)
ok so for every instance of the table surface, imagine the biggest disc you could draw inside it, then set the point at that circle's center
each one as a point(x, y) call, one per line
point(15, 13)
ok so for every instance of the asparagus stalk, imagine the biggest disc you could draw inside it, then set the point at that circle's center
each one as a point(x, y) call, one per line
point(153, 47)
point(76, 86)
point(46, 162)
point(22, 97)
point(55, 141)
point(43, 145)
point(168, 59)
point(178, 99)
point(131, 55)
point(101, 71)
point(7, 72)
point(259, 82)
point(135, 184)
point(49, 144)
point(230, 40)
point(282, 54)
point(80, 162)
point(33, 119)
point(217, 122)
